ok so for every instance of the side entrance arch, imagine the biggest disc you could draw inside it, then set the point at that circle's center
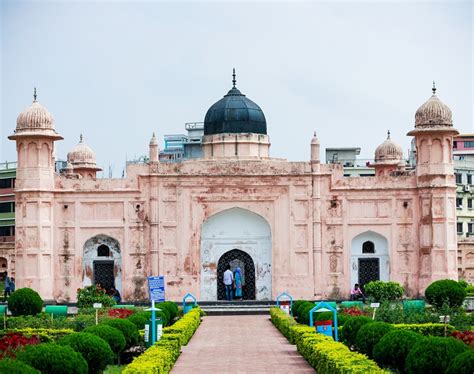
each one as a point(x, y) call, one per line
point(370, 259)
point(102, 262)
point(237, 258)
point(241, 238)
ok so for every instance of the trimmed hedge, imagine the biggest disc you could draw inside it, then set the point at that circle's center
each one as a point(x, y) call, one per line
point(45, 335)
point(7, 365)
point(157, 359)
point(128, 329)
point(111, 335)
point(433, 354)
point(282, 321)
point(95, 350)
point(381, 291)
point(445, 290)
point(185, 326)
point(434, 329)
point(25, 302)
point(351, 327)
point(161, 357)
point(392, 350)
point(369, 335)
point(322, 353)
point(53, 359)
point(462, 363)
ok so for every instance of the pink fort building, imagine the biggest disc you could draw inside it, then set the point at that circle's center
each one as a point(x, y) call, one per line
point(299, 227)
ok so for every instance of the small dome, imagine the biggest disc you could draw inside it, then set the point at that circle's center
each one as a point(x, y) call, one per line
point(388, 152)
point(82, 157)
point(36, 116)
point(235, 113)
point(433, 113)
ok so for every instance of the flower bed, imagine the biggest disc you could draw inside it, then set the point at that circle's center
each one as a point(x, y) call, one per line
point(13, 341)
point(322, 352)
point(161, 357)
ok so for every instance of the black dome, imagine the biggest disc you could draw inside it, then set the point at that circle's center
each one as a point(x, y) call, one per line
point(234, 113)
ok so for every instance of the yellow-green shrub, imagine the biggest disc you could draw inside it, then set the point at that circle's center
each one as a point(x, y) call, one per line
point(321, 351)
point(185, 326)
point(282, 321)
point(434, 329)
point(45, 335)
point(161, 357)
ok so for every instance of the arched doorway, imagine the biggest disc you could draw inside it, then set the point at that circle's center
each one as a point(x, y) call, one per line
point(370, 259)
point(230, 230)
point(237, 258)
point(102, 262)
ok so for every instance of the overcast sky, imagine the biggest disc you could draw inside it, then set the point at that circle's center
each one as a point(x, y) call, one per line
point(117, 71)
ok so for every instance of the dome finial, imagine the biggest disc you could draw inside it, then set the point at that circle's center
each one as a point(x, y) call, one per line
point(80, 138)
point(233, 78)
point(434, 88)
point(34, 95)
point(388, 134)
point(314, 134)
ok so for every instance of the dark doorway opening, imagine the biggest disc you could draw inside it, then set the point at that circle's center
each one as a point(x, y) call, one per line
point(104, 274)
point(237, 258)
point(369, 270)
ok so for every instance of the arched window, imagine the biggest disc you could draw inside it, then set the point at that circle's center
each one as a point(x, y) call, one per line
point(103, 251)
point(368, 247)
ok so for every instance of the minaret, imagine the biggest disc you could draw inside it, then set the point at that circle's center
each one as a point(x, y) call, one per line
point(434, 142)
point(315, 149)
point(436, 191)
point(154, 152)
point(388, 157)
point(34, 253)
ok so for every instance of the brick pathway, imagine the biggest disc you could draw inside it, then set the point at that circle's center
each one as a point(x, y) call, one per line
point(239, 344)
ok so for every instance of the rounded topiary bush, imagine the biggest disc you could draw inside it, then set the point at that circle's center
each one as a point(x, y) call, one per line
point(433, 354)
point(392, 350)
point(111, 335)
point(7, 365)
point(381, 291)
point(53, 359)
point(96, 351)
point(25, 302)
point(369, 335)
point(172, 308)
point(462, 363)
point(128, 329)
point(445, 290)
point(139, 319)
point(351, 327)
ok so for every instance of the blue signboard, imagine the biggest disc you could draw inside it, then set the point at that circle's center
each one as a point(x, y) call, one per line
point(156, 288)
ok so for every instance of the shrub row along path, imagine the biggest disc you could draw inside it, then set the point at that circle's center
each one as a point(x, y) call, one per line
point(239, 344)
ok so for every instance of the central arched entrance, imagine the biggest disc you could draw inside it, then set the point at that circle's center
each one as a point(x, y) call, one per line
point(237, 258)
point(236, 236)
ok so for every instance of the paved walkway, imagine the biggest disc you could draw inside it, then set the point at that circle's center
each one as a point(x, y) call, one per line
point(239, 344)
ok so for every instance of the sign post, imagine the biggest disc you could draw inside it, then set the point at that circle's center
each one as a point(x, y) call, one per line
point(96, 306)
point(156, 290)
point(375, 306)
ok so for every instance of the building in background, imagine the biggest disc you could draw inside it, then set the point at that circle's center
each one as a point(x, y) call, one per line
point(347, 157)
point(7, 217)
point(463, 152)
point(179, 147)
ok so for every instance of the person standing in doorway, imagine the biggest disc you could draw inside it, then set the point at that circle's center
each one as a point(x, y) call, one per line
point(228, 283)
point(8, 291)
point(238, 283)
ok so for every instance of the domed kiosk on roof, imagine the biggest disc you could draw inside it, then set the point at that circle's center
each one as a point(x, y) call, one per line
point(388, 157)
point(433, 113)
point(83, 160)
point(35, 120)
point(235, 127)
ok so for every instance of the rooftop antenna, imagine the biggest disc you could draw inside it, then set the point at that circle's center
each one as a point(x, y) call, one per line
point(434, 88)
point(233, 78)
point(34, 94)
